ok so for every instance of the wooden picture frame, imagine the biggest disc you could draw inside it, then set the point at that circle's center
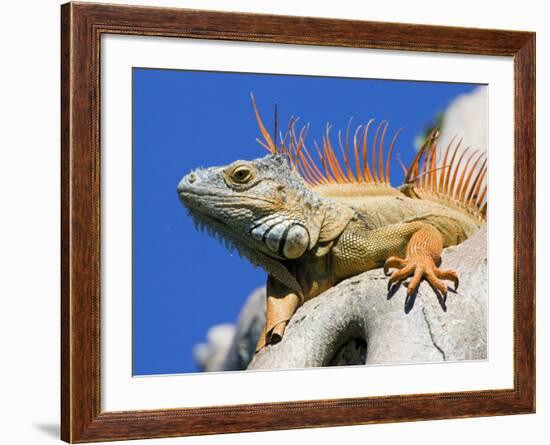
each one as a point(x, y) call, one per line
point(82, 26)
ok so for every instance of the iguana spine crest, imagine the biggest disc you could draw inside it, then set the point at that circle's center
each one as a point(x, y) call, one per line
point(430, 176)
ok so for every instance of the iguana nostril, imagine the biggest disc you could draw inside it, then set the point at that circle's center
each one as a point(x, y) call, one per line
point(192, 178)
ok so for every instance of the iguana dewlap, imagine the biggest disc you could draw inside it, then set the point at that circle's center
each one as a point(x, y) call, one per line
point(311, 226)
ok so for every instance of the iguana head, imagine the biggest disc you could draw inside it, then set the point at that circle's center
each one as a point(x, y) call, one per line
point(261, 207)
point(260, 203)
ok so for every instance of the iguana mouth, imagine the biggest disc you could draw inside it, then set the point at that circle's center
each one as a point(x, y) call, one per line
point(200, 191)
point(216, 227)
point(204, 220)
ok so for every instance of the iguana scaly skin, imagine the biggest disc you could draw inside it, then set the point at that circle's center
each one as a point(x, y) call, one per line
point(311, 226)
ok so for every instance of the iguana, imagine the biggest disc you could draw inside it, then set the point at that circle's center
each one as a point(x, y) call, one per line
point(313, 224)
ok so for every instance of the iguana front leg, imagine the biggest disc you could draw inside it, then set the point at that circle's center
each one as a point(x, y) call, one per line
point(360, 249)
point(421, 261)
point(282, 302)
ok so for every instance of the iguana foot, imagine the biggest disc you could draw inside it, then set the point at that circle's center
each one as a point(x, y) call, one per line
point(274, 337)
point(423, 253)
point(419, 266)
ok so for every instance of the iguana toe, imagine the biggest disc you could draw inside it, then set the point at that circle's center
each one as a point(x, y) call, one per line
point(276, 334)
point(447, 274)
point(401, 274)
point(394, 262)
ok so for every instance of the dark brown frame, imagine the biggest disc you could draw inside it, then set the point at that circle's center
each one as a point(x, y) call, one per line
point(81, 28)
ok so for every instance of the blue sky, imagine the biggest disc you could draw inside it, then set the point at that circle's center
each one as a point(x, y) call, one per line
point(184, 281)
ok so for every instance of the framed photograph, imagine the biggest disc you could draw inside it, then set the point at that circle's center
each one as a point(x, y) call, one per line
point(274, 222)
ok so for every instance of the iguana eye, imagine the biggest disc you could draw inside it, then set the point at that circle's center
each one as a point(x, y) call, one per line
point(241, 174)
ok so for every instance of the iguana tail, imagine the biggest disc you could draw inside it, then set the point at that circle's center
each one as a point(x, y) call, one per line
point(361, 170)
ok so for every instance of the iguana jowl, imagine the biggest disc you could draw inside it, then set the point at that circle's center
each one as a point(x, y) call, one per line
point(312, 225)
